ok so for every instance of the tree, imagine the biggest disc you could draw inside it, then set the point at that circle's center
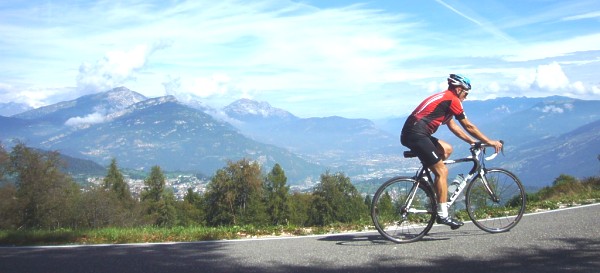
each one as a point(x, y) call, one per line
point(9, 207)
point(98, 208)
point(368, 201)
point(160, 201)
point(45, 194)
point(277, 196)
point(4, 162)
point(9, 216)
point(115, 182)
point(191, 209)
point(300, 204)
point(235, 195)
point(336, 200)
point(564, 179)
point(385, 206)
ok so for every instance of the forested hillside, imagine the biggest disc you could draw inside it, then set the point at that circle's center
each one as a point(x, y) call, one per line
point(36, 194)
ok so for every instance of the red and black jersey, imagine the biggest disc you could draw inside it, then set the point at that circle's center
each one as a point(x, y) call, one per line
point(434, 111)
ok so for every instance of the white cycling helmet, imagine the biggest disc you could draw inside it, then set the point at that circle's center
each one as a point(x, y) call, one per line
point(459, 80)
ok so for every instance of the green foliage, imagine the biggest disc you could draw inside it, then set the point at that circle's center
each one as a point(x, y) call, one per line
point(235, 195)
point(115, 182)
point(101, 208)
point(386, 207)
point(9, 207)
point(145, 234)
point(336, 200)
point(277, 196)
point(368, 201)
point(45, 194)
point(4, 162)
point(191, 210)
point(564, 179)
point(299, 205)
point(160, 202)
point(565, 191)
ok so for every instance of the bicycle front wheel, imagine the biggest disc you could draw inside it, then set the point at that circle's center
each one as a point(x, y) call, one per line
point(496, 202)
point(401, 211)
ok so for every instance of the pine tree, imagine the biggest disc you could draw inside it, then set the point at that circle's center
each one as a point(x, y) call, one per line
point(4, 162)
point(277, 196)
point(115, 182)
point(160, 201)
point(191, 209)
point(368, 201)
point(300, 205)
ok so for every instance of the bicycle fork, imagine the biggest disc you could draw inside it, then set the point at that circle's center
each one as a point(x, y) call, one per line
point(487, 187)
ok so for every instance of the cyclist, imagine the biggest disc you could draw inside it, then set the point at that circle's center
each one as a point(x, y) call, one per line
point(419, 127)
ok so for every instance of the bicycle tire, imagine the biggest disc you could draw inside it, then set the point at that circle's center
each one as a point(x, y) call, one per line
point(390, 216)
point(499, 215)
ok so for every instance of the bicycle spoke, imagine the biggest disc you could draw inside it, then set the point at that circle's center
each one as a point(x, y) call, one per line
point(501, 210)
point(402, 212)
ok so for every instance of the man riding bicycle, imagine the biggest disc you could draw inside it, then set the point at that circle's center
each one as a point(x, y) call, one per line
point(419, 127)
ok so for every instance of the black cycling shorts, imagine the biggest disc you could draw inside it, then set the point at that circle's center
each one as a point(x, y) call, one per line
point(424, 147)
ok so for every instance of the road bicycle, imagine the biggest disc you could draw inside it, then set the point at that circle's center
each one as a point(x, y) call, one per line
point(404, 208)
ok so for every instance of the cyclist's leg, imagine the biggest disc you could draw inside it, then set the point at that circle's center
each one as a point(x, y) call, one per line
point(440, 171)
point(444, 148)
point(431, 152)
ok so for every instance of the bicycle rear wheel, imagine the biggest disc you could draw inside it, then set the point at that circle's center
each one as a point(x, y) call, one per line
point(498, 212)
point(395, 217)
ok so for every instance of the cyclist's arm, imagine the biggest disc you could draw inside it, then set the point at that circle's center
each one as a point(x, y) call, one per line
point(474, 131)
point(456, 130)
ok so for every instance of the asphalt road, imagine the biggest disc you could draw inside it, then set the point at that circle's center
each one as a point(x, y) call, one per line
point(558, 241)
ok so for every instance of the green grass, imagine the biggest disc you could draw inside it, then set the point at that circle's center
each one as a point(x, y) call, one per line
point(156, 234)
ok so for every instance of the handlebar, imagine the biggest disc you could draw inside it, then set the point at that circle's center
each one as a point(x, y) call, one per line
point(480, 145)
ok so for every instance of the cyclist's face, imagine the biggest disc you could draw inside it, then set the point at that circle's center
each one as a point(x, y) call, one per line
point(462, 94)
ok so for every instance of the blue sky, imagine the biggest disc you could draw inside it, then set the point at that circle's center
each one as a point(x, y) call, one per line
point(366, 59)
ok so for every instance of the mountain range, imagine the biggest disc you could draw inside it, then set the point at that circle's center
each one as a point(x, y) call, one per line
point(544, 137)
point(141, 132)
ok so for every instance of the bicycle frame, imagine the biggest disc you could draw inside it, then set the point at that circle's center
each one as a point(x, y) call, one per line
point(477, 171)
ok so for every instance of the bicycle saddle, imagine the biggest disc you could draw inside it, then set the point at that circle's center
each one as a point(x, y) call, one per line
point(409, 154)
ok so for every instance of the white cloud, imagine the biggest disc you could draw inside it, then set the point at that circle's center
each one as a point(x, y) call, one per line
point(551, 77)
point(589, 15)
point(545, 80)
point(32, 96)
point(214, 85)
point(93, 118)
point(114, 69)
point(552, 109)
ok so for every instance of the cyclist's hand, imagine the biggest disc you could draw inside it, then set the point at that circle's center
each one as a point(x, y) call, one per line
point(496, 144)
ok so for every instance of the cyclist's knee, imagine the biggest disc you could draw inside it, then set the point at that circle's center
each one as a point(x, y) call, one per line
point(439, 169)
point(445, 149)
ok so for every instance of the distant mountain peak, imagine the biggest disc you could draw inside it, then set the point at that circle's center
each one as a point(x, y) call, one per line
point(120, 97)
point(143, 105)
point(250, 108)
point(104, 102)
